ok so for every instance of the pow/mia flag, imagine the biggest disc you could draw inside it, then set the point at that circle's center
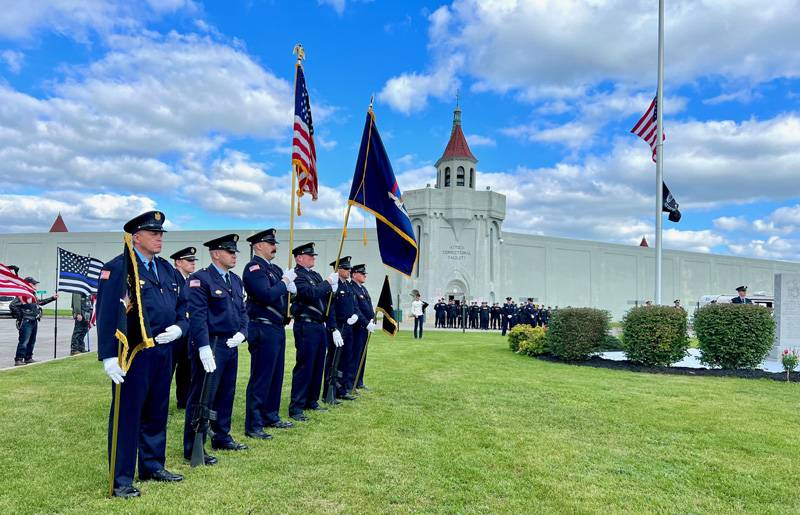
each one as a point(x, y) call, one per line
point(670, 205)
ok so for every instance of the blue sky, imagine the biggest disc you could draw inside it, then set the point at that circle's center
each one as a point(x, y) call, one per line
point(110, 108)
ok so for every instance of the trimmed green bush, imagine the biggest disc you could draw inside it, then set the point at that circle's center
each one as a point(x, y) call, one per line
point(518, 334)
point(535, 342)
point(734, 335)
point(611, 343)
point(576, 333)
point(655, 335)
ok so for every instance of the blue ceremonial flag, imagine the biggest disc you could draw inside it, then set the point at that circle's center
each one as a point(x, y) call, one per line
point(375, 189)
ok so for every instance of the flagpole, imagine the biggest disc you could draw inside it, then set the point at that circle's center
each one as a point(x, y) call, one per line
point(659, 151)
point(55, 324)
point(298, 49)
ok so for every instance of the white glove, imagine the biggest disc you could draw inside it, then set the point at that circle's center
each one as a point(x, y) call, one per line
point(352, 320)
point(235, 340)
point(371, 326)
point(171, 333)
point(290, 275)
point(509, 316)
point(207, 358)
point(337, 338)
point(291, 287)
point(333, 280)
point(113, 370)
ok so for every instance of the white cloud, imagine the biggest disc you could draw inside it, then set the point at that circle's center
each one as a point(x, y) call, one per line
point(33, 213)
point(409, 92)
point(78, 19)
point(731, 223)
point(694, 241)
point(13, 60)
point(476, 140)
point(340, 5)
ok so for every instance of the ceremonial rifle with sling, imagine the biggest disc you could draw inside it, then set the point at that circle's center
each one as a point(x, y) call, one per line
point(201, 417)
point(334, 374)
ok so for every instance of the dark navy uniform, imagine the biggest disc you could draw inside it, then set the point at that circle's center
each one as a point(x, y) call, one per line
point(360, 332)
point(484, 316)
point(507, 312)
point(440, 308)
point(181, 364)
point(144, 395)
point(343, 307)
point(216, 313)
point(310, 336)
point(267, 299)
point(496, 314)
point(740, 300)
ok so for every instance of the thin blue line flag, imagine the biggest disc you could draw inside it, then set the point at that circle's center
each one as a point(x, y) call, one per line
point(375, 189)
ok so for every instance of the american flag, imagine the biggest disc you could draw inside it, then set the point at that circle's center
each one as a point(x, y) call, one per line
point(647, 126)
point(78, 274)
point(13, 286)
point(304, 154)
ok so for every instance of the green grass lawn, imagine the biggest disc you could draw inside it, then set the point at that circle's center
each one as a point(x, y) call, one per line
point(453, 423)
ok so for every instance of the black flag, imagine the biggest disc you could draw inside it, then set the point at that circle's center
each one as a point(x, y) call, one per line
point(385, 307)
point(670, 204)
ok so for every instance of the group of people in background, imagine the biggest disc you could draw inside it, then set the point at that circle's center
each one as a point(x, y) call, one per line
point(454, 314)
point(198, 320)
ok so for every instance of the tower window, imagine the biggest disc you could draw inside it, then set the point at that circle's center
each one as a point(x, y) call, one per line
point(447, 177)
point(460, 176)
point(472, 178)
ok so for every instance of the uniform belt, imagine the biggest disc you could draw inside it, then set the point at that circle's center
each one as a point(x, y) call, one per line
point(312, 308)
point(306, 318)
point(265, 321)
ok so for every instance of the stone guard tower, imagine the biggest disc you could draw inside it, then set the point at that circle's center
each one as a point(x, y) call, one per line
point(458, 229)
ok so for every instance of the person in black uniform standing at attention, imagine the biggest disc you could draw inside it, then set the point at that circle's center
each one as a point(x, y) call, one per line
point(144, 393)
point(218, 323)
point(184, 261)
point(267, 287)
point(360, 330)
point(344, 313)
point(310, 338)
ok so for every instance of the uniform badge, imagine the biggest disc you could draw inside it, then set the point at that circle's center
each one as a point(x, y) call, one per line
point(105, 274)
point(194, 283)
point(141, 282)
point(255, 267)
point(218, 292)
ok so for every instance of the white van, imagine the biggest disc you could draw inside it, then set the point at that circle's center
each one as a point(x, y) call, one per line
point(759, 297)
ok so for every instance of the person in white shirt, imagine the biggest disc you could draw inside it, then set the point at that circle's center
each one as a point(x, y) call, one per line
point(418, 310)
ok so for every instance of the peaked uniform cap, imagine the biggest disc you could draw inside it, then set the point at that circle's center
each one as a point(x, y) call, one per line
point(188, 254)
point(227, 242)
point(344, 263)
point(267, 236)
point(304, 249)
point(149, 221)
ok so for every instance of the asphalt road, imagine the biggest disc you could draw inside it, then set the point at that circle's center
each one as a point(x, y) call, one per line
point(43, 351)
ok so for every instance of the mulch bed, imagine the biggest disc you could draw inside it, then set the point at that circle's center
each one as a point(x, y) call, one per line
point(743, 373)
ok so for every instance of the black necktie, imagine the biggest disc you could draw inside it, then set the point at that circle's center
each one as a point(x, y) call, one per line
point(228, 281)
point(150, 267)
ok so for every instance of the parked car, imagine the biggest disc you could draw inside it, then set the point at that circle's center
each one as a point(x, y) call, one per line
point(5, 302)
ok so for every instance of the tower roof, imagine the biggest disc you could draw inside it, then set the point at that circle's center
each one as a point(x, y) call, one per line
point(59, 225)
point(457, 147)
point(643, 243)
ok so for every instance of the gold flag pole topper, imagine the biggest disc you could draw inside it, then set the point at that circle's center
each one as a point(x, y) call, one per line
point(301, 54)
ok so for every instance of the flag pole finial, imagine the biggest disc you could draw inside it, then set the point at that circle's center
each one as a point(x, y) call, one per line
point(371, 101)
point(300, 52)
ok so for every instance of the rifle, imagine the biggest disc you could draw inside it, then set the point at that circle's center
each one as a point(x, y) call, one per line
point(333, 375)
point(201, 417)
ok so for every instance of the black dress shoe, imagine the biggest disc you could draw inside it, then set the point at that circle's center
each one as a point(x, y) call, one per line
point(229, 446)
point(161, 475)
point(318, 408)
point(258, 435)
point(208, 459)
point(333, 403)
point(126, 491)
point(362, 387)
point(300, 417)
point(347, 397)
point(282, 424)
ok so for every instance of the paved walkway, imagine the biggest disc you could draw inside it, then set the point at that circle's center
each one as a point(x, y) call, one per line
point(44, 340)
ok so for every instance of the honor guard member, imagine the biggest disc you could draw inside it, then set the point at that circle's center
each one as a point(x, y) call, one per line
point(451, 313)
point(484, 316)
point(496, 314)
point(185, 262)
point(508, 315)
point(268, 288)
point(742, 298)
point(361, 331)
point(144, 390)
point(82, 313)
point(218, 322)
point(343, 314)
point(310, 337)
point(441, 313)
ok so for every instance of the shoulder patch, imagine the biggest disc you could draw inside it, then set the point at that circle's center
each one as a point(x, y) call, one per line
point(255, 267)
point(105, 274)
point(194, 283)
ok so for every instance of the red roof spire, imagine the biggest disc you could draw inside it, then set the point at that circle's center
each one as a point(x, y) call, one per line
point(457, 147)
point(643, 243)
point(59, 225)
